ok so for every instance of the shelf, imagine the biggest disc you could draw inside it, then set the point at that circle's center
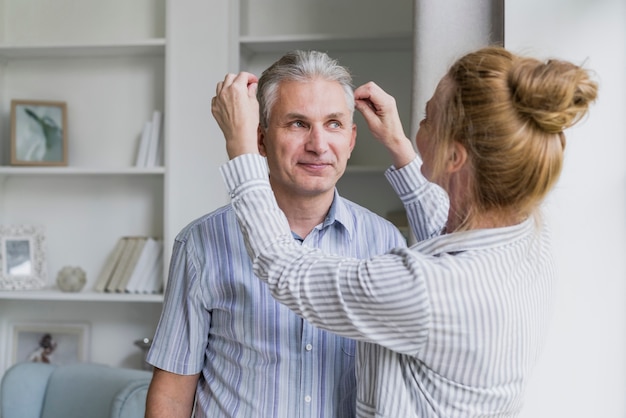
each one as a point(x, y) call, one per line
point(90, 296)
point(326, 42)
point(73, 171)
point(147, 47)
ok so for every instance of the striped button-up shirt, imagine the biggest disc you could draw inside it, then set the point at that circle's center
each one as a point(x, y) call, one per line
point(448, 328)
point(256, 357)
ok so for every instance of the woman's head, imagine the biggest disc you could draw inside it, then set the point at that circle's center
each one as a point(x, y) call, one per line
point(508, 113)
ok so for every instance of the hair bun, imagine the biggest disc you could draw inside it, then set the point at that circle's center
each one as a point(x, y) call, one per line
point(553, 94)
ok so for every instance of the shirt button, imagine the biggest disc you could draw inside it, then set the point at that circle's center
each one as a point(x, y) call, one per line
point(309, 347)
point(307, 399)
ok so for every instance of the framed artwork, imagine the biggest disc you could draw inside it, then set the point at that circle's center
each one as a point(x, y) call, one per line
point(38, 133)
point(55, 343)
point(22, 257)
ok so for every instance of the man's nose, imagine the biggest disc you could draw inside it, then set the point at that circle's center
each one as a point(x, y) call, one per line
point(317, 141)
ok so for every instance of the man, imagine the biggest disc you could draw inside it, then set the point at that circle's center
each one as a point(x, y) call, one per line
point(222, 338)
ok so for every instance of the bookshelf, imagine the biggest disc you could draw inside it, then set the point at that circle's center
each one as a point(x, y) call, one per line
point(114, 63)
point(107, 62)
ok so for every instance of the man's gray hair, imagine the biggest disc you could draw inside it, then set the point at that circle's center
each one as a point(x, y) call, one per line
point(300, 66)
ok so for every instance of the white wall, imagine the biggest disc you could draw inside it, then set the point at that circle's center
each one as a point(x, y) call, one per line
point(197, 57)
point(582, 373)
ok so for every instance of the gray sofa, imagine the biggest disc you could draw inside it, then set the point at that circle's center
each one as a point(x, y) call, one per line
point(85, 390)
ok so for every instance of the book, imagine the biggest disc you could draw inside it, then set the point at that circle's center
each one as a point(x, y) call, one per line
point(155, 139)
point(153, 271)
point(143, 266)
point(125, 274)
point(109, 265)
point(122, 264)
point(144, 142)
point(156, 277)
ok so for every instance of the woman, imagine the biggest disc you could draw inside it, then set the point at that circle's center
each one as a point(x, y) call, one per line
point(452, 326)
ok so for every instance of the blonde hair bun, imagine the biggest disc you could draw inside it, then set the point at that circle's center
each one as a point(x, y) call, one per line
point(554, 94)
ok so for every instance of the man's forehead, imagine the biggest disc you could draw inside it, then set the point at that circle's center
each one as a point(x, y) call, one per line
point(305, 115)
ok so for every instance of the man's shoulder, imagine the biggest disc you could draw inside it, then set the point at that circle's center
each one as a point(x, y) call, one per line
point(222, 218)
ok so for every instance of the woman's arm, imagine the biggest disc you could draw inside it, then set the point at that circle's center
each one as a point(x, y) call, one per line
point(381, 300)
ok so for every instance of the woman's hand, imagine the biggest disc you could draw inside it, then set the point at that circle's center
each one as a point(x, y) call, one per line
point(236, 110)
point(381, 114)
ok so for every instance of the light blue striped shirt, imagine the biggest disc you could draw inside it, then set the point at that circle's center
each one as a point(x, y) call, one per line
point(257, 358)
point(448, 328)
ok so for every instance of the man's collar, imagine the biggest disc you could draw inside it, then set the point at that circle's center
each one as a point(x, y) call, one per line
point(339, 213)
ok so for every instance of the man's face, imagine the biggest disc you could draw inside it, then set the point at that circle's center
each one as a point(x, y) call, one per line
point(309, 138)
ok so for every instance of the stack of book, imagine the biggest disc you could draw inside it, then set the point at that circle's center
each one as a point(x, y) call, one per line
point(134, 266)
point(150, 149)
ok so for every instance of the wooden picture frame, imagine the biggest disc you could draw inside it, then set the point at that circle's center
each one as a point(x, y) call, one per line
point(38, 133)
point(22, 257)
point(48, 342)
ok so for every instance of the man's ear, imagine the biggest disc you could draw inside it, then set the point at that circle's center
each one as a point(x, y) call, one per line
point(353, 137)
point(261, 141)
point(457, 157)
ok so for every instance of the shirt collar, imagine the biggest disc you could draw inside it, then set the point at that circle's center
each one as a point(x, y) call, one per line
point(477, 239)
point(340, 214)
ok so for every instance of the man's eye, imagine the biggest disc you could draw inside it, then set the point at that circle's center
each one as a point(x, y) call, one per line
point(297, 124)
point(334, 125)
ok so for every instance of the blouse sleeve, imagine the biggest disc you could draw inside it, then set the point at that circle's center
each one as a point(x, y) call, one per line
point(426, 203)
point(381, 300)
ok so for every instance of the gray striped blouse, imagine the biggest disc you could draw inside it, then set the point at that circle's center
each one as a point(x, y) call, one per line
point(448, 328)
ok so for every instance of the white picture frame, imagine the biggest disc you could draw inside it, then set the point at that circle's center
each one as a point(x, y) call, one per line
point(22, 257)
point(48, 342)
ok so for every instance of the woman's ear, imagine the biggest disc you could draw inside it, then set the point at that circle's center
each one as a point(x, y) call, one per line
point(260, 135)
point(457, 157)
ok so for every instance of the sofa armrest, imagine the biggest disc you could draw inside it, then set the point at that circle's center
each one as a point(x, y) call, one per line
point(130, 402)
point(23, 390)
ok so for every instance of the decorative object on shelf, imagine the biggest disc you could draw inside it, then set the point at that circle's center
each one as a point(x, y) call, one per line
point(22, 257)
point(38, 133)
point(144, 344)
point(71, 279)
point(55, 343)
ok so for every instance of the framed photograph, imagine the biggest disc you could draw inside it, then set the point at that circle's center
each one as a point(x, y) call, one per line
point(38, 133)
point(55, 343)
point(22, 257)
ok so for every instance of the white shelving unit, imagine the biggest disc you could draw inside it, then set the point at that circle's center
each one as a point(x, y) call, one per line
point(113, 64)
point(106, 60)
point(372, 38)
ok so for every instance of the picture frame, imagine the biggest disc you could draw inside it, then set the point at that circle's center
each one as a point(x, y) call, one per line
point(38, 133)
point(48, 342)
point(22, 257)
